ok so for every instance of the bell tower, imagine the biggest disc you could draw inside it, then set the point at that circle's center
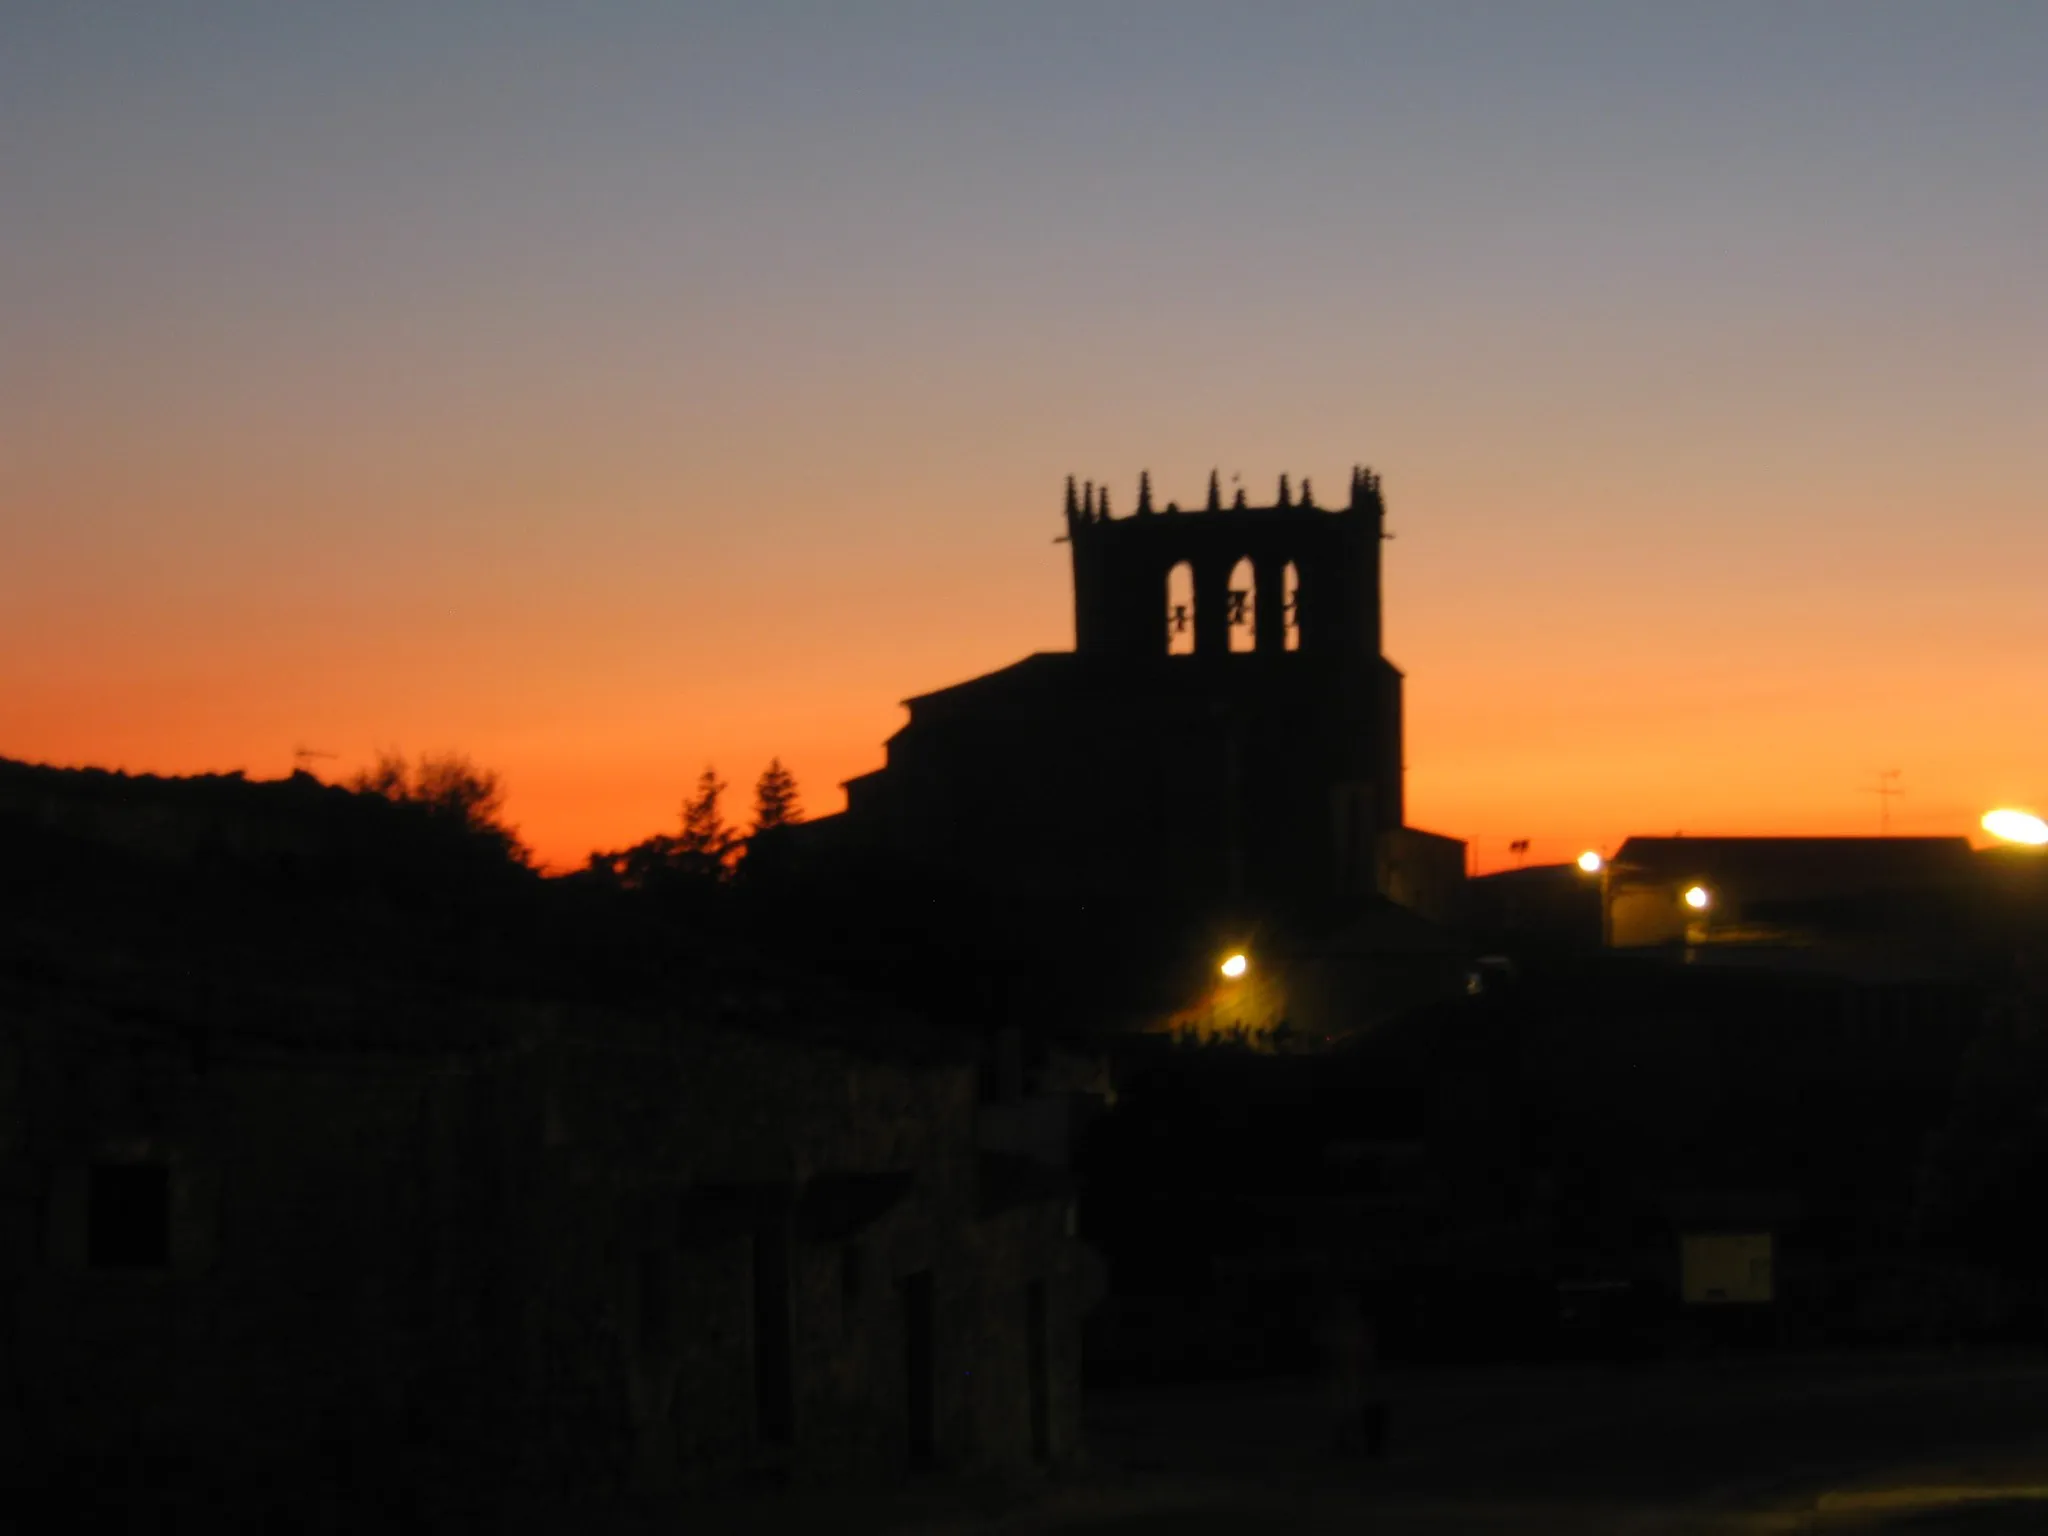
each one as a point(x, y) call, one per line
point(1122, 567)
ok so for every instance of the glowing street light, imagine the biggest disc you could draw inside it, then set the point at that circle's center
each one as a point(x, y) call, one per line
point(2016, 827)
point(1590, 862)
point(1697, 898)
point(1235, 966)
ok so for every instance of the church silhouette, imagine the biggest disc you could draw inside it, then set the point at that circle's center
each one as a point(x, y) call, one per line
point(1224, 740)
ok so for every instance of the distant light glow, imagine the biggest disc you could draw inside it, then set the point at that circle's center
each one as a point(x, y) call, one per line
point(2016, 827)
point(1235, 966)
point(1697, 898)
point(1590, 862)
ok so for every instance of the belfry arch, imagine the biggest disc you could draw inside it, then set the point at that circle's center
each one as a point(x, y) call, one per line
point(1180, 609)
point(1241, 598)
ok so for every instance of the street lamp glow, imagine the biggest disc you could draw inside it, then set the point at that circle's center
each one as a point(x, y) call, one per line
point(1590, 862)
point(1235, 966)
point(1697, 898)
point(2016, 827)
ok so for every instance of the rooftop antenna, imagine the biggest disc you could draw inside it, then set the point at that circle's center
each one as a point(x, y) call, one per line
point(304, 755)
point(1885, 788)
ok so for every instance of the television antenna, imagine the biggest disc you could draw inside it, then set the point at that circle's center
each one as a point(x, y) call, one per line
point(1886, 788)
point(304, 755)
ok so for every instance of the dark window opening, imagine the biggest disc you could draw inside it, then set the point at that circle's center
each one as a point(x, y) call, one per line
point(128, 1216)
point(656, 1301)
point(774, 1389)
point(920, 1361)
point(851, 1273)
point(1038, 1351)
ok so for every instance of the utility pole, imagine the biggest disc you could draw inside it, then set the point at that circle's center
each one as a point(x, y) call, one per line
point(1886, 787)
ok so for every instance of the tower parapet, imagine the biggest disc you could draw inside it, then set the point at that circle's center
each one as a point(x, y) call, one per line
point(1330, 607)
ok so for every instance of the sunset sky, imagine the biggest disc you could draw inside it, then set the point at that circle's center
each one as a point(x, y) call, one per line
point(605, 390)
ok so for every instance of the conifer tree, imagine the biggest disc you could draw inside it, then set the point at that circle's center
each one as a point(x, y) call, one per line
point(775, 798)
point(707, 845)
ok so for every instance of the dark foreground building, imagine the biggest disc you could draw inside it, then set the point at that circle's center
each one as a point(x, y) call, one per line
point(1882, 893)
point(293, 1226)
point(1225, 736)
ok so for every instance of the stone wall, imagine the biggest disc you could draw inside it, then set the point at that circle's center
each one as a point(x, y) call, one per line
point(393, 1269)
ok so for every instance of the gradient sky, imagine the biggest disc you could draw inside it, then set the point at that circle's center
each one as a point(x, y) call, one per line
point(603, 390)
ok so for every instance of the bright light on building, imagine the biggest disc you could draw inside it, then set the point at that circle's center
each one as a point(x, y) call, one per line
point(1590, 862)
point(1697, 898)
point(2016, 827)
point(1235, 966)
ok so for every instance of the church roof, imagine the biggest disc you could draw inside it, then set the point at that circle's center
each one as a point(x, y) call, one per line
point(1038, 670)
point(1058, 683)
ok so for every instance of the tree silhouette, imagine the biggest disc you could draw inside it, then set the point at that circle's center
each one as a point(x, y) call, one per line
point(707, 846)
point(390, 776)
point(449, 789)
point(706, 849)
point(775, 798)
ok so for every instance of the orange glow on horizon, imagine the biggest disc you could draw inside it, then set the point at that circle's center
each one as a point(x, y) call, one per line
point(598, 697)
